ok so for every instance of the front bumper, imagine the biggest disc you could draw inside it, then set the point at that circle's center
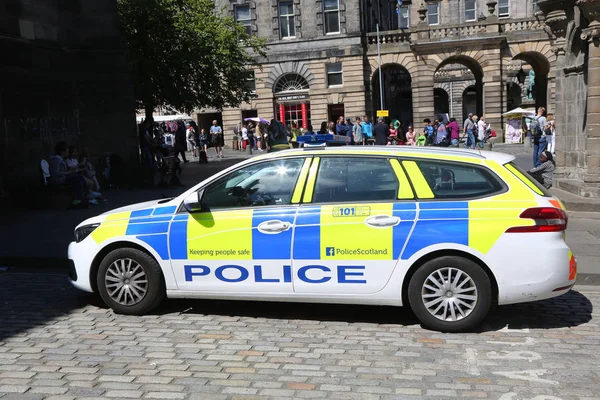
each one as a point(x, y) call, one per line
point(81, 259)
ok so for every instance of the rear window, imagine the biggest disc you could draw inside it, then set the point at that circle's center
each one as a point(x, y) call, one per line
point(527, 179)
point(449, 180)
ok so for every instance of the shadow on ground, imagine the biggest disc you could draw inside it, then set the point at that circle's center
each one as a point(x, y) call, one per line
point(31, 298)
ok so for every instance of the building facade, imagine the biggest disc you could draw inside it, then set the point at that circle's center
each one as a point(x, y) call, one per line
point(575, 25)
point(449, 57)
point(63, 77)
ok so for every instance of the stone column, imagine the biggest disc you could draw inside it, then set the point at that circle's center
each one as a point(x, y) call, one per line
point(592, 127)
point(493, 92)
point(557, 20)
point(565, 135)
point(422, 91)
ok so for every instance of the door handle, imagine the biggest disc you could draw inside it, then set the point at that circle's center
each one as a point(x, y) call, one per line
point(382, 221)
point(273, 227)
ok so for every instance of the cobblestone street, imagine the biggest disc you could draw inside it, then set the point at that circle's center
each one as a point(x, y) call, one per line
point(58, 343)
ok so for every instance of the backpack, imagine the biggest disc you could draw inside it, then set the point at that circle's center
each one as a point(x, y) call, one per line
point(536, 130)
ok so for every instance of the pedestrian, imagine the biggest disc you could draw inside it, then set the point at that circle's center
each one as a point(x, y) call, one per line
point(237, 131)
point(441, 138)
point(429, 131)
point(180, 141)
point(537, 126)
point(367, 128)
point(454, 132)
point(191, 138)
point(203, 141)
point(410, 136)
point(309, 131)
point(551, 134)
point(357, 132)
point(244, 137)
point(380, 132)
point(323, 130)
point(295, 133)
point(481, 129)
point(216, 134)
point(544, 173)
point(392, 134)
point(468, 130)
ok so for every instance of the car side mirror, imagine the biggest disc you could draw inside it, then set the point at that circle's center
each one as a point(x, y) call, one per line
point(193, 202)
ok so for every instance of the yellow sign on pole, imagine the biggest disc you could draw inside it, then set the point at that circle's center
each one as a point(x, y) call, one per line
point(383, 113)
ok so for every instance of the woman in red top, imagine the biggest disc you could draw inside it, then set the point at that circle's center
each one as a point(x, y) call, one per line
point(454, 132)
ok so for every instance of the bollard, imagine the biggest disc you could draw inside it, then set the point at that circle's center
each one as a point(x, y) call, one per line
point(249, 149)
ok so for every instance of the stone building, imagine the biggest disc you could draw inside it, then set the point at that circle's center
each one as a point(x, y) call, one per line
point(63, 77)
point(437, 57)
point(575, 25)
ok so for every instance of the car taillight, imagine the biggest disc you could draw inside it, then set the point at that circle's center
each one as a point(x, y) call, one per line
point(546, 219)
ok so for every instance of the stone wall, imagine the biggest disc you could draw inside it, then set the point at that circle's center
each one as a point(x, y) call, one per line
point(576, 42)
point(63, 77)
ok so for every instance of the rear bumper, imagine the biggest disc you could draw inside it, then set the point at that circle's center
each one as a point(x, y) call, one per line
point(540, 267)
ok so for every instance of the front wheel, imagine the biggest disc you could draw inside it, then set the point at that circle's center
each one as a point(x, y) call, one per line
point(130, 282)
point(450, 294)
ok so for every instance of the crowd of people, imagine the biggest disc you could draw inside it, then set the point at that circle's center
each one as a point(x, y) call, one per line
point(73, 169)
point(361, 131)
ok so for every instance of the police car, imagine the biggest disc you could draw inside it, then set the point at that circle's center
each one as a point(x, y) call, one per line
point(447, 232)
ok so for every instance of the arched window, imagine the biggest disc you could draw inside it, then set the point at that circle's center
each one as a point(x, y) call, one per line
point(291, 83)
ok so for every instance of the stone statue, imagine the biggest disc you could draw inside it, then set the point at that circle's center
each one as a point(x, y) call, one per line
point(531, 88)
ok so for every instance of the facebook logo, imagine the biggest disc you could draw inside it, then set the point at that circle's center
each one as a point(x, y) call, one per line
point(330, 251)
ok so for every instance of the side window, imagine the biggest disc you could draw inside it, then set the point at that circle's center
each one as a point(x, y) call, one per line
point(350, 179)
point(265, 184)
point(449, 180)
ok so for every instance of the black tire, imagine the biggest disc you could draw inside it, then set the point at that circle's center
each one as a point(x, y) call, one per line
point(480, 281)
point(155, 287)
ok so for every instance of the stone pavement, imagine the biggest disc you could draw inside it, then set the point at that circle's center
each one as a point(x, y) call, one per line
point(57, 343)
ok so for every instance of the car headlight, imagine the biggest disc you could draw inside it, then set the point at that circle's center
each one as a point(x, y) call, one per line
point(84, 231)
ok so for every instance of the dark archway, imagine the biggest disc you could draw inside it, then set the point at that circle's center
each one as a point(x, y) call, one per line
point(450, 70)
point(470, 100)
point(514, 96)
point(538, 91)
point(397, 93)
point(441, 102)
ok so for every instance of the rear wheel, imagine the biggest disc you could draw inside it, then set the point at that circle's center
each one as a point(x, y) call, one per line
point(130, 282)
point(450, 294)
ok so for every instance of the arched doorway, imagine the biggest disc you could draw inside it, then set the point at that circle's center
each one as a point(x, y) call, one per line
point(469, 101)
point(441, 102)
point(530, 71)
point(291, 99)
point(397, 93)
point(514, 95)
point(459, 72)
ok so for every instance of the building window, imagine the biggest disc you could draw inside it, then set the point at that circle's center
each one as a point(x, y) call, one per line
point(242, 16)
point(403, 19)
point(251, 82)
point(470, 10)
point(331, 15)
point(503, 8)
point(334, 75)
point(433, 14)
point(535, 6)
point(286, 19)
